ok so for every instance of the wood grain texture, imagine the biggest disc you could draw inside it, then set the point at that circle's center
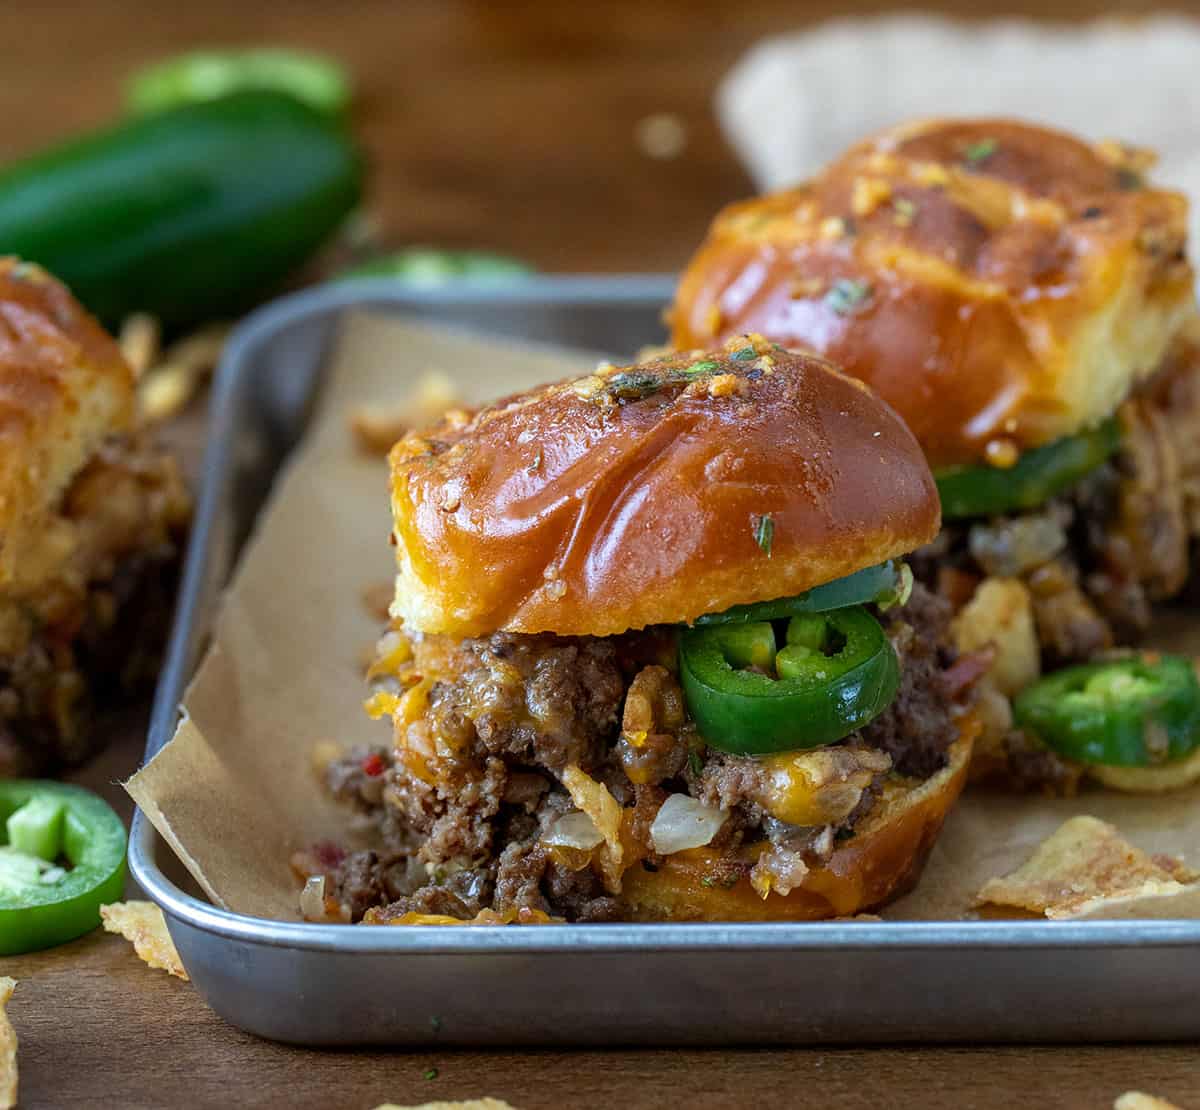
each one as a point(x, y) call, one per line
point(505, 125)
point(510, 126)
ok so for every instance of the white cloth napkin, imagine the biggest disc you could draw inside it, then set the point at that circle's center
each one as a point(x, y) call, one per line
point(793, 102)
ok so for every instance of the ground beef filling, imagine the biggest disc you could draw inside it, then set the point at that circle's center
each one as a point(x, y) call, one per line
point(466, 805)
point(1096, 558)
point(88, 625)
point(1087, 592)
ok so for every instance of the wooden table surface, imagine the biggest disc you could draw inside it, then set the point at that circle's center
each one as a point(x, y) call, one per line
point(511, 126)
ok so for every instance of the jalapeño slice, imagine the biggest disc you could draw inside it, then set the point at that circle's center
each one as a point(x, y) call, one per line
point(837, 673)
point(1138, 712)
point(1037, 476)
point(63, 857)
point(883, 584)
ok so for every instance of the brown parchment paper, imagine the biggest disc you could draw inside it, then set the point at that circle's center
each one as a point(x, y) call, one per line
point(234, 792)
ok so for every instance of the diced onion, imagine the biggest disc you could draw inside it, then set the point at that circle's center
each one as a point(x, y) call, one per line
point(574, 830)
point(1010, 548)
point(312, 898)
point(683, 822)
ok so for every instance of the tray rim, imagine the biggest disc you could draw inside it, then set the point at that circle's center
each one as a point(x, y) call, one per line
point(267, 324)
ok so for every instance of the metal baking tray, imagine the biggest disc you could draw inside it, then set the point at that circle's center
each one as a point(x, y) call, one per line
point(635, 984)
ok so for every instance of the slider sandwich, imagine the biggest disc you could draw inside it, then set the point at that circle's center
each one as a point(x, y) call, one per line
point(655, 656)
point(91, 518)
point(1023, 299)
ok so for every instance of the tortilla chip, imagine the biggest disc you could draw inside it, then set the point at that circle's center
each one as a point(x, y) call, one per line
point(1136, 1100)
point(607, 815)
point(1084, 865)
point(470, 1104)
point(8, 1048)
point(144, 925)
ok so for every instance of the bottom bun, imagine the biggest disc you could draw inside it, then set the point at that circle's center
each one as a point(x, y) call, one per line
point(882, 861)
point(1176, 775)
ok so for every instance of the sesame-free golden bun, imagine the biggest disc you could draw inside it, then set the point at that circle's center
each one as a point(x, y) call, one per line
point(64, 388)
point(653, 494)
point(880, 862)
point(1000, 284)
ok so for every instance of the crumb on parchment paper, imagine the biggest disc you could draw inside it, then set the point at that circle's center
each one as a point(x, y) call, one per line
point(1138, 1100)
point(8, 1047)
point(167, 380)
point(143, 924)
point(469, 1104)
point(378, 427)
point(1084, 865)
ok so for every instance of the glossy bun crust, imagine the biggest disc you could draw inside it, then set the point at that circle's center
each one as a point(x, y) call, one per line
point(880, 862)
point(64, 388)
point(997, 283)
point(653, 494)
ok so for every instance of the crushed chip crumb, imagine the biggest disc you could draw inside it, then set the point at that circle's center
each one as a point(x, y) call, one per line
point(469, 1104)
point(8, 1047)
point(168, 380)
point(139, 339)
point(1083, 866)
point(143, 924)
point(377, 427)
point(165, 392)
point(1138, 1100)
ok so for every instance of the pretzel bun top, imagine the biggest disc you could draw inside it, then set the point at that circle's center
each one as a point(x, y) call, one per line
point(653, 494)
point(999, 284)
point(64, 388)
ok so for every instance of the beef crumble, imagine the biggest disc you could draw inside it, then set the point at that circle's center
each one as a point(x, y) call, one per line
point(468, 804)
point(545, 702)
point(917, 728)
point(83, 623)
point(1098, 556)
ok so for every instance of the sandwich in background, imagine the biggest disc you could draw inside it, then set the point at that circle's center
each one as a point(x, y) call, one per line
point(92, 515)
point(1024, 301)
